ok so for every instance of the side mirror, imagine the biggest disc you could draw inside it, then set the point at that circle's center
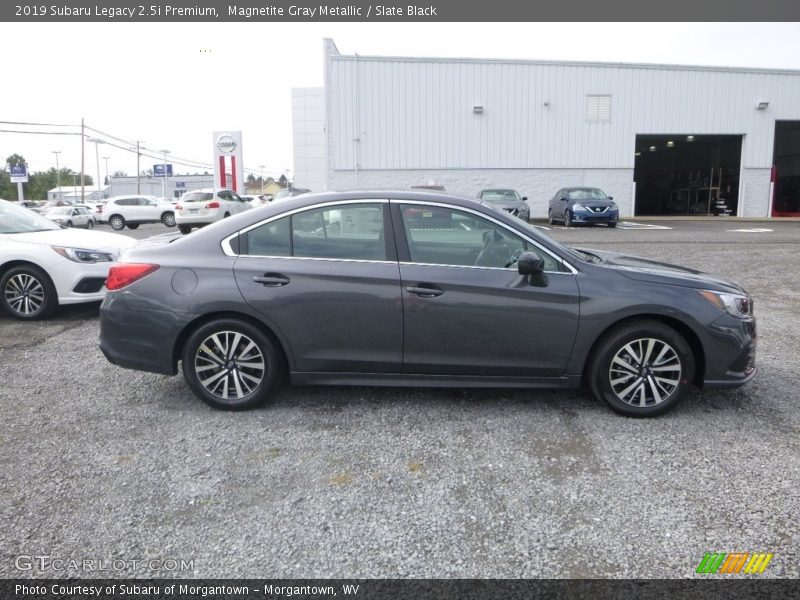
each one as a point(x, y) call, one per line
point(611, 197)
point(563, 199)
point(531, 266)
point(524, 198)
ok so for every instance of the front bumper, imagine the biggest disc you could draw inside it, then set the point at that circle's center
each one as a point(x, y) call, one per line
point(730, 353)
point(591, 217)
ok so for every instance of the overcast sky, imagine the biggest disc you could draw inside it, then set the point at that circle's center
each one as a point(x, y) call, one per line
point(171, 85)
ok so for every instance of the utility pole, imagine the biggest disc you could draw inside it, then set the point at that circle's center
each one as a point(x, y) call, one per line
point(83, 144)
point(138, 171)
point(110, 188)
point(164, 179)
point(58, 173)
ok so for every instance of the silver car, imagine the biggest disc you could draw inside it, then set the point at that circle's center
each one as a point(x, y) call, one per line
point(507, 200)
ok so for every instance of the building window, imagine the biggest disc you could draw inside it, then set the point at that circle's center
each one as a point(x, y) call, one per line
point(598, 108)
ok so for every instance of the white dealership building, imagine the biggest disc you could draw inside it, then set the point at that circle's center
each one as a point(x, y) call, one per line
point(660, 139)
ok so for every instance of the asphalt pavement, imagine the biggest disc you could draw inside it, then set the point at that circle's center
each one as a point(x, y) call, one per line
point(99, 462)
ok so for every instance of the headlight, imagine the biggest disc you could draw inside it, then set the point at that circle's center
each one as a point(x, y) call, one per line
point(577, 206)
point(83, 256)
point(736, 304)
point(614, 206)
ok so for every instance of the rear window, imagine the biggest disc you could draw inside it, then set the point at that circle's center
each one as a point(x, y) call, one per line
point(197, 197)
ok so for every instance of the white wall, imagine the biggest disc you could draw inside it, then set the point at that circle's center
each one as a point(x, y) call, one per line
point(308, 136)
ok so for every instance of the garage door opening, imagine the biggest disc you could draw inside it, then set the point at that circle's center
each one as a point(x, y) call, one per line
point(786, 171)
point(687, 174)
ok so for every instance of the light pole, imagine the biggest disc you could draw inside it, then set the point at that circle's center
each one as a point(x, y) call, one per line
point(164, 178)
point(110, 190)
point(58, 173)
point(262, 167)
point(97, 143)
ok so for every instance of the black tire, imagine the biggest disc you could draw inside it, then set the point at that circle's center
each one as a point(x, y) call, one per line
point(40, 290)
point(184, 229)
point(550, 216)
point(567, 219)
point(117, 222)
point(226, 215)
point(133, 225)
point(630, 387)
point(612, 224)
point(168, 219)
point(69, 223)
point(90, 224)
point(231, 386)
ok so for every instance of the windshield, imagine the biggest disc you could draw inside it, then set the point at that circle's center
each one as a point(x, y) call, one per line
point(197, 197)
point(16, 219)
point(587, 194)
point(500, 196)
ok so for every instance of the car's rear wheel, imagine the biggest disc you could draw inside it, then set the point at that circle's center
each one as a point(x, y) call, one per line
point(567, 219)
point(642, 368)
point(184, 229)
point(168, 219)
point(90, 224)
point(69, 223)
point(117, 222)
point(231, 364)
point(226, 215)
point(28, 293)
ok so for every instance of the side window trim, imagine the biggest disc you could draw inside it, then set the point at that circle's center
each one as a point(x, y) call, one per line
point(241, 235)
point(405, 255)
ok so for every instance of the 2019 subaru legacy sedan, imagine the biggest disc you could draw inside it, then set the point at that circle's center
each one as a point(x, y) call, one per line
point(418, 289)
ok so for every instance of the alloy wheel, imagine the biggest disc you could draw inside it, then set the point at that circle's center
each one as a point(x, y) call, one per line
point(229, 365)
point(645, 372)
point(24, 294)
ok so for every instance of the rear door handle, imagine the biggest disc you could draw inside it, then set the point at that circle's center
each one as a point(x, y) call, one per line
point(272, 279)
point(424, 292)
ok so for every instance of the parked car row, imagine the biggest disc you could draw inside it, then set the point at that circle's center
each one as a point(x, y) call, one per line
point(570, 206)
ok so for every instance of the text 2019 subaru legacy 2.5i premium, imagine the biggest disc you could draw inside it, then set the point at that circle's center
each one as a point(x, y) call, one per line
point(422, 289)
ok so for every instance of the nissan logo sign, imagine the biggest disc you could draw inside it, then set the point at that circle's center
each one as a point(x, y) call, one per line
point(226, 143)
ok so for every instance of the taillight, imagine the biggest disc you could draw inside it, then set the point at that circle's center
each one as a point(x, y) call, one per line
point(178, 207)
point(124, 274)
point(214, 204)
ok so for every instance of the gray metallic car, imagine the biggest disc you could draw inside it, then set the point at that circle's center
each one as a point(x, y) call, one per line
point(507, 200)
point(418, 289)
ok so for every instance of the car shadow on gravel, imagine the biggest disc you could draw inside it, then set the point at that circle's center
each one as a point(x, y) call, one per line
point(15, 334)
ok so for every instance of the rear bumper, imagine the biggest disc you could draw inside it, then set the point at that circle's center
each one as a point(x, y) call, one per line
point(210, 216)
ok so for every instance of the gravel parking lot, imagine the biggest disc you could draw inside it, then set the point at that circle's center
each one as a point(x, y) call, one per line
point(99, 462)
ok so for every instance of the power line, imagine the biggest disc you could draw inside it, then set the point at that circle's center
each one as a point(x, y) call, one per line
point(40, 132)
point(38, 124)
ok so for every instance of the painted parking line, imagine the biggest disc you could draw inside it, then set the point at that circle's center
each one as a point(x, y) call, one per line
point(630, 225)
point(751, 230)
point(542, 227)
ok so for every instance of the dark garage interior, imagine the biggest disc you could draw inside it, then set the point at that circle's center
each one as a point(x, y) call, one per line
point(685, 174)
point(786, 170)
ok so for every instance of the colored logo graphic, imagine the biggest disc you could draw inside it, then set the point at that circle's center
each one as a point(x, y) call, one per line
point(735, 562)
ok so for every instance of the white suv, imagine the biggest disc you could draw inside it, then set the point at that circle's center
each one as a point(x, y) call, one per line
point(202, 207)
point(134, 210)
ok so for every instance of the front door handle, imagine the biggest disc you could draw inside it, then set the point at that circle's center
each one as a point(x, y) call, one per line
point(424, 292)
point(272, 279)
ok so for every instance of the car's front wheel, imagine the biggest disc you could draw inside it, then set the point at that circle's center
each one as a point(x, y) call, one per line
point(90, 224)
point(231, 364)
point(168, 219)
point(641, 368)
point(133, 225)
point(117, 222)
point(550, 216)
point(567, 219)
point(612, 224)
point(28, 293)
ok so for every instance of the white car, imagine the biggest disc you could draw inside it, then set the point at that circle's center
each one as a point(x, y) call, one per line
point(71, 216)
point(133, 210)
point(202, 207)
point(43, 265)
